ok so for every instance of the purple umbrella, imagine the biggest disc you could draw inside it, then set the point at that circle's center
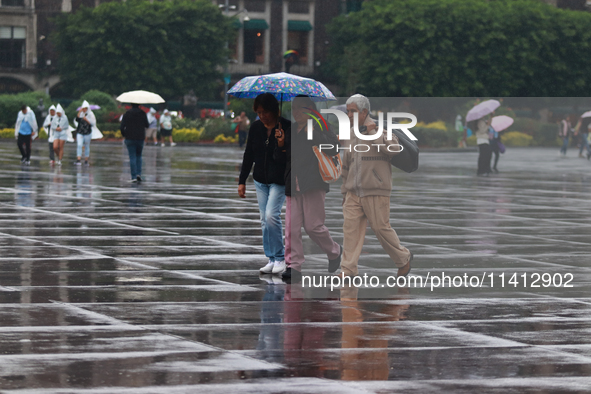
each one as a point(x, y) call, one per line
point(500, 123)
point(92, 107)
point(482, 109)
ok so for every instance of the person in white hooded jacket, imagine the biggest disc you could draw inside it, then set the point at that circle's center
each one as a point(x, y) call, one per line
point(47, 127)
point(85, 121)
point(59, 127)
point(25, 128)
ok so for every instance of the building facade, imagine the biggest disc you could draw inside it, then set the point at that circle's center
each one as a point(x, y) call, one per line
point(267, 29)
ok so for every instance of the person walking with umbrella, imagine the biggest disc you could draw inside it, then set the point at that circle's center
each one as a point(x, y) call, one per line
point(268, 177)
point(479, 120)
point(305, 189)
point(133, 129)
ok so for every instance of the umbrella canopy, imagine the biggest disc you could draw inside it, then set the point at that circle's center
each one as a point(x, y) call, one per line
point(92, 107)
point(283, 86)
point(482, 109)
point(586, 115)
point(140, 97)
point(500, 123)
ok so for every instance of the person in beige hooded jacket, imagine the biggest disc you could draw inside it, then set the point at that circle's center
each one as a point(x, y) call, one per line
point(367, 184)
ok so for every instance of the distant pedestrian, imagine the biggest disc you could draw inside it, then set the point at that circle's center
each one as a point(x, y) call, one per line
point(47, 127)
point(60, 127)
point(85, 121)
point(152, 130)
point(268, 177)
point(243, 124)
point(582, 129)
point(133, 129)
point(482, 139)
point(166, 127)
point(26, 126)
point(564, 130)
point(460, 131)
point(495, 140)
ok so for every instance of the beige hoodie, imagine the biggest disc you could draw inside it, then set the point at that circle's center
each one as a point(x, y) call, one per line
point(368, 173)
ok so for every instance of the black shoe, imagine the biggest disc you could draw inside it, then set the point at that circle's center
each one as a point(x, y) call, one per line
point(334, 264)
point(85, 162)
point(290, 275)
point(139, 178)
point(403, 271)
point(23, 160)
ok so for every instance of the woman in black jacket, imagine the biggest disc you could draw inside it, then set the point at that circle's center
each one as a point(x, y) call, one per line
point(305, 189)
point(268, 177)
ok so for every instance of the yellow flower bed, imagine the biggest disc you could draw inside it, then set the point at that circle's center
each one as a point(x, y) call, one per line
point(223, 139)
point(433, 125)
point(187, 135)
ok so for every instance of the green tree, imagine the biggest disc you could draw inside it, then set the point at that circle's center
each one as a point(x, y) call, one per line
point(462, 48)
point(168, 47)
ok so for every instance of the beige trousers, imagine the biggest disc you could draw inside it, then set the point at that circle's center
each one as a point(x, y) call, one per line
point(357, 211)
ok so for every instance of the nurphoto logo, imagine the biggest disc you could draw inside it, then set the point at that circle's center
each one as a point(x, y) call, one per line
point(345, 129)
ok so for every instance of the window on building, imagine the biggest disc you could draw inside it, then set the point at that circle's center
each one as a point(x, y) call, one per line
point(298, 41)
point(12, 46)
point(232, 5)
point(298, 7)
point(255, 5)
point(13, 3)
point(254, 46)
point(354, 5)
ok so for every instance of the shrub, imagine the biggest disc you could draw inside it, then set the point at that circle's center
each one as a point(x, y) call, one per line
point(187, 123)
point(109, 134)
point(516, 138)
point(546, 135)
point(108, 127)
point(105, 101)
point(432, 137)
point(7, 133)
point(215, 126)
point(10, 104)
point(187, 135)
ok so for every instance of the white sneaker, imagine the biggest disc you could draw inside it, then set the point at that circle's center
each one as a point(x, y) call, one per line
point(163, 144)
point(267, 269)
point(279, 267)
point(173, 144)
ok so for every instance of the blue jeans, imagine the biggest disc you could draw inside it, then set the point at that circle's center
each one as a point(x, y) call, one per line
point(564, 145)
point(271, 198)
point(135, 148)
point(83, 141)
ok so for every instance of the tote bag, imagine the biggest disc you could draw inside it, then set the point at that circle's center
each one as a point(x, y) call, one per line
point(330, 166)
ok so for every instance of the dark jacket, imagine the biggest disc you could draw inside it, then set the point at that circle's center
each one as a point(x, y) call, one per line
point(298, 155)
point(259, 151)
point(134, 124)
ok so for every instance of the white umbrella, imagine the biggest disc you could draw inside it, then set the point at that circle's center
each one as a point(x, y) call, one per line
point(501, 122)
point(482, 109)
point(140, 97)
point(586, 115)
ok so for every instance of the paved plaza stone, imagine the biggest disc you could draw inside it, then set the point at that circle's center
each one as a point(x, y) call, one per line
point(113, 287)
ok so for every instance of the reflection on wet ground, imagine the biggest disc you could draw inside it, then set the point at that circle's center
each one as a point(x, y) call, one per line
point(107, 287)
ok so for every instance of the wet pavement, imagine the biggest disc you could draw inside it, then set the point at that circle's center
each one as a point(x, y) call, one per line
point(112, 287)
